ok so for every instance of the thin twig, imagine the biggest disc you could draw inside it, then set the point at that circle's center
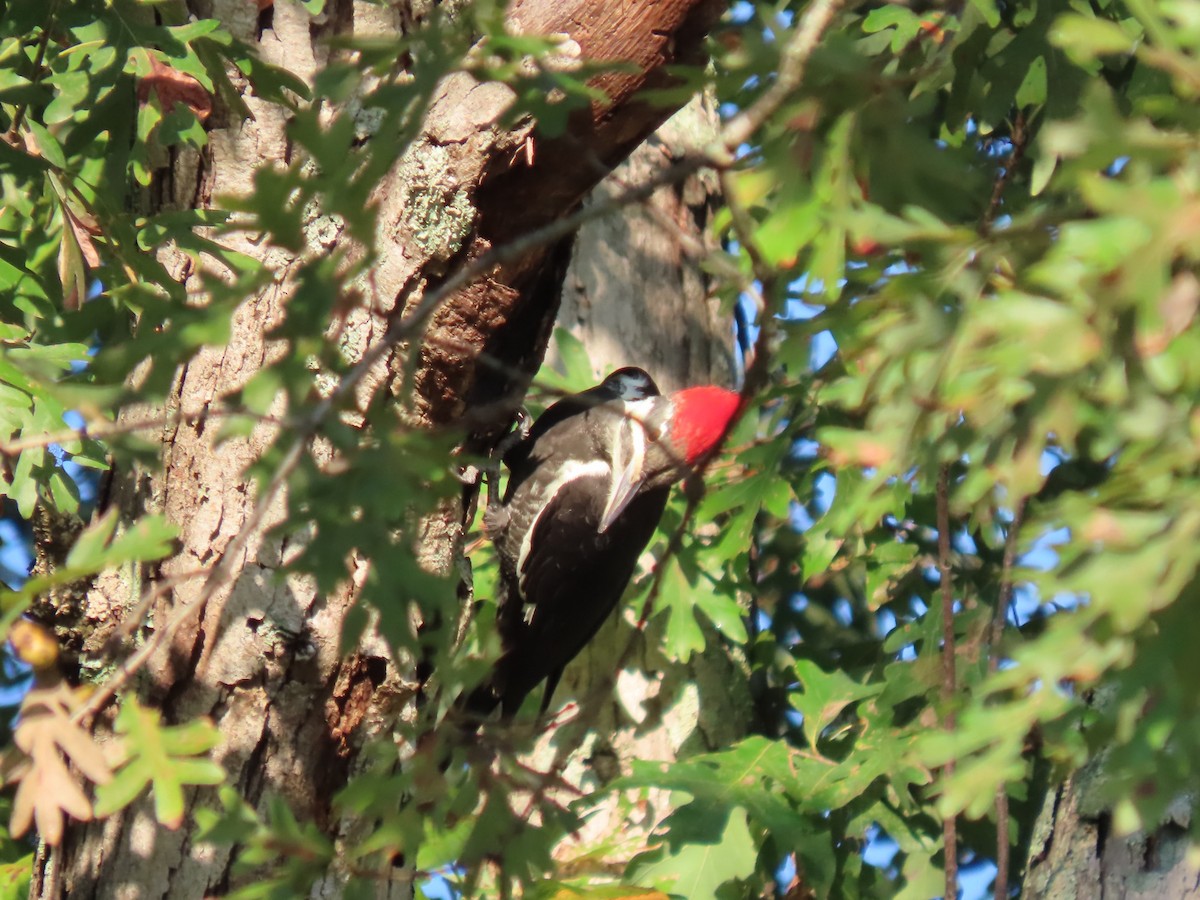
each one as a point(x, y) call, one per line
point(102, 429)
point(1004, 600)
point(792, 64)
point(1019, 137)
point(97, 431)
point(153, 591)
point(999, 617)
point(107, 689)
point(19, 116)
point(949, 662)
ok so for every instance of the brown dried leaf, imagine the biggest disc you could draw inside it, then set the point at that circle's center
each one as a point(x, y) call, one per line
point(173, 86)
point(83, 235)
point(48, 789)
point(1177, 308)
point(22, 811)
point(46, 716)
point(59, 784)
point(46, 793)
point(52, 700)
point(84, 753)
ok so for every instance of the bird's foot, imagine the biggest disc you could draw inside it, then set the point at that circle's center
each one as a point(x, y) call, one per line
point(467, 474)
point(524, 422)
point(495, 519)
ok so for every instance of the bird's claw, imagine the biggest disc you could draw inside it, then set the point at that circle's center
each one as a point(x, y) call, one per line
point(524, 421)
point(468, 475)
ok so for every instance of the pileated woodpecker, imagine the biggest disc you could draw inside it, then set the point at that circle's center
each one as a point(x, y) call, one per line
point(586, 490)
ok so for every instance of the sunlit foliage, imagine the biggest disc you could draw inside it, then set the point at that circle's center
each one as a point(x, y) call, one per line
point(970, 240)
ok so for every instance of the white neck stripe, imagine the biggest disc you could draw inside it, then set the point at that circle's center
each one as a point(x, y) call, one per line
point(571, 470)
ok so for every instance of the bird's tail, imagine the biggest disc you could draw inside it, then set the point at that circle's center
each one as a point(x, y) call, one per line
point(505, 689)
point(480, 702)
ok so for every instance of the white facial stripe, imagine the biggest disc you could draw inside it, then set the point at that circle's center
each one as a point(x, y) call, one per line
point(629, 453)
point(639, 410)
point(572, 470)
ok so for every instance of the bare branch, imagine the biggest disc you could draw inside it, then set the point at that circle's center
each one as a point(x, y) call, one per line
point(1020, 138)
point(39, 60)
point(999, 617)
point(100, 429)
point(949, 662)
point(792, 65)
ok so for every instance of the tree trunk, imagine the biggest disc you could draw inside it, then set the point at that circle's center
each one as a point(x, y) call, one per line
point(635, 294)
point(1074, 852)
point(294, 722)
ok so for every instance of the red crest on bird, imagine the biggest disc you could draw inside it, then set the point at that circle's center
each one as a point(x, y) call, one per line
point(701, 416)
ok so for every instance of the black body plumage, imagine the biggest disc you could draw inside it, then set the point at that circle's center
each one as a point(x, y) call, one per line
point(566, 549)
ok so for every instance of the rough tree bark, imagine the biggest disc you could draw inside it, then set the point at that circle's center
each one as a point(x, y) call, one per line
point(292, 726)
point(635, 289)
point(635, 294)
point(1074, 852)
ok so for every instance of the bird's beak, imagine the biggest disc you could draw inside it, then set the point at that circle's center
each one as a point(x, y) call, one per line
point(642, 421)
point(628, 483)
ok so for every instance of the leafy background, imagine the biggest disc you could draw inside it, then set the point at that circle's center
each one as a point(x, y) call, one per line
point(967, 245)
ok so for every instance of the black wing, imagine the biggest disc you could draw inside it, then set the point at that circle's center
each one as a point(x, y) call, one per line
point(572, 592)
